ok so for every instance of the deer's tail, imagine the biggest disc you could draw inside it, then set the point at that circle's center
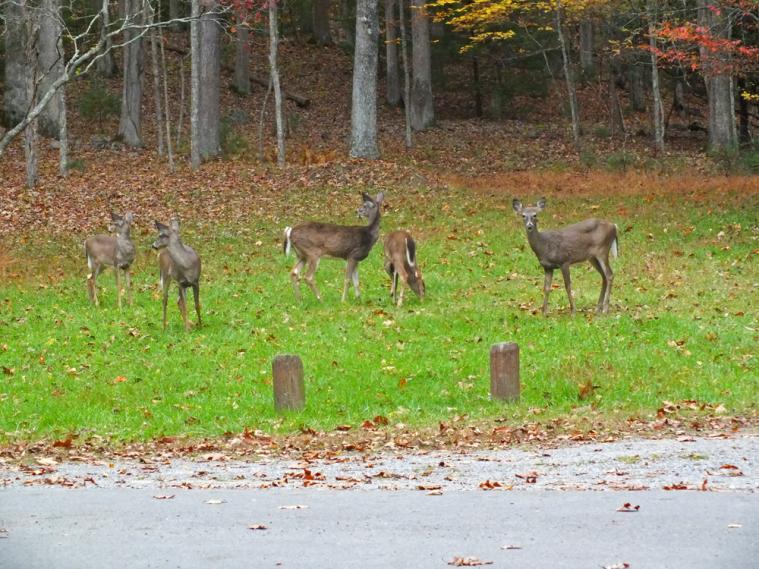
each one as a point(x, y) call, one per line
point(615, 243)
point(410, 252)
point(287, 244)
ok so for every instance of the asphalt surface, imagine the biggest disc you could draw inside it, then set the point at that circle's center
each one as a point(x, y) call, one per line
point(93, 527)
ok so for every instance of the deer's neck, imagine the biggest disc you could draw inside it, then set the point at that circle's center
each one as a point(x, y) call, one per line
point(537, 242)
point(180, 254)
point(373, 226)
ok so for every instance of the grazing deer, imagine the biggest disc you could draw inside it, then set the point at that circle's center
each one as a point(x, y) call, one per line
point(313, 240)
point(590, 240)
point(401, 265)
point(177, 262)
point(109, 251)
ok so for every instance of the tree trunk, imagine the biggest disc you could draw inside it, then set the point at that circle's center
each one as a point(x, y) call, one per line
point(406, 73)
point(347, 15)
point(720, 91)
point(364, 100)
point(31, 34)
point(393, 79)
point(63, 136)
point(167, 114)
point(106, 65)
point(17, 94)
point(571, 91)
point(175, 11)
point(477, 87)
point(274, 70)
point(422, 104)
point(637, 87)
point(242, 59)
point(210, 80)
point(320, 19)
point(587, 63)
point(744, 127)
point(616, 119)
point(130, 127)
point(159, 114)
point(655, 91)
point(195, 141)
point(50, 63)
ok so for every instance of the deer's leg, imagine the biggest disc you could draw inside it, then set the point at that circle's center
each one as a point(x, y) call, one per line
point(313, 264)
point(606, 267)
point(402, 282)
point(355, 281)
point(118, 285)
point(604, 283)
point(182, 303)
point(394, 286)
point(295, 277)
point(349, 268)
point(547, 289)
point(165, 287)
point(91, 282)
point(196, 296)
point(568, 286)
point(128, 279)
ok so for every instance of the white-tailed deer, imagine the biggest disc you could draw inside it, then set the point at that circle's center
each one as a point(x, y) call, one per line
point(401, 264)
point(111, 251)
point(590, 240)
point(313, 240)
point(177, 262)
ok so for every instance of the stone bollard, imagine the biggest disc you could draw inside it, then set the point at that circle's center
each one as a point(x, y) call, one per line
point(504, 371)
point(289, 389)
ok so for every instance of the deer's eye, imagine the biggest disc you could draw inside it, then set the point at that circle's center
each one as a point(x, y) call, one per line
point(524, 216)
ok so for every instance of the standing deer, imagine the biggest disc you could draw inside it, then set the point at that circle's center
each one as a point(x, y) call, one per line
point(590, 240)
point(177, 262)
point(401, 265)
point(313, 240)
point(109, 251)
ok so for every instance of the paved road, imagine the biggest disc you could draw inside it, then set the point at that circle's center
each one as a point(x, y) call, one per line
point(58, 528)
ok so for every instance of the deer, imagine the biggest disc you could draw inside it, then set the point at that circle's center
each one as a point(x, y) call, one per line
point(590, 240)
point(401, 265)
point(115, 251)
point(180, 263)
point(313, 240)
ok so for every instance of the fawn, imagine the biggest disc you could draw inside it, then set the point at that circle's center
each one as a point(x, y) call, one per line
point(111, 251)
point(590, 240)
point(401, 265)
point(313, 240)
point(177, 262)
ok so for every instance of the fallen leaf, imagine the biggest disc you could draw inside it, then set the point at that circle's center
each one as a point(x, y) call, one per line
point(628, 507)
point(293, 507)
point(676, 486)
point(510, 546)
point(530, 477)
point(257, 526)
point(734, 526)
point(622, 565)
point(164, 497)
point(215, 502)
point(468, 562)
point(120, 379)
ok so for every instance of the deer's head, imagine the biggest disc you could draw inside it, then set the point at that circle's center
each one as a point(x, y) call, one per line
point(166, 233)
point(120, 225)
point(371, 206)
point(416, 282)
point(529, 213)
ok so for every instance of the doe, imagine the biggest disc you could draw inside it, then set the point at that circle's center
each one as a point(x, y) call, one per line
point(590, 240)
point(401, 264)
point(177, 262)
point(313, 240)
point(111, 251)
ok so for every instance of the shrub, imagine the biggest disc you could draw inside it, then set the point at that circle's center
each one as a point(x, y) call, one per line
point(620, 161)
point(96, 103)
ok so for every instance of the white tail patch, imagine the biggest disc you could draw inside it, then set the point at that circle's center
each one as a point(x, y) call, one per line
point(288, 244)
point(614, 250)
point(408, 255)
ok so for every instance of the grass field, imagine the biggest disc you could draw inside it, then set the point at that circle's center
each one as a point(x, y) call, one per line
point(682, 325)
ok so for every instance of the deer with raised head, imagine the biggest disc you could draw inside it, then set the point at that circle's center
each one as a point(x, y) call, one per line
point(590, 240)
point(115, 251)
point(177, 262)
point(401, 264)
point(313, 240)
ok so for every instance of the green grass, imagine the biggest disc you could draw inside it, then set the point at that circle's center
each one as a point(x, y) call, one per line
point(682, 324)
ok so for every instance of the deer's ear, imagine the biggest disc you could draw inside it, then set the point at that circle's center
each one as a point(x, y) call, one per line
point(517, 205)
point(115, 216)
point(380, 198)
point(159, 225)
point(542, 203)
point(175, 224)
point(366, 197)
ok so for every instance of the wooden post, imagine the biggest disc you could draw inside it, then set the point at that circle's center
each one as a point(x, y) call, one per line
point(289, 389)
point(504, 371)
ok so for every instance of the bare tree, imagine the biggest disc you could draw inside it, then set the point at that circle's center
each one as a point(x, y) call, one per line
point(242, 57)
point(17, 95)
point(130, 123)
point(159, 112)
point(274, 70)
point(391, 55)
point(406, 74)
point(569, 78)
point(658, 115)
point(422, 104)
point(364, 98)
point(587, 62)
point(50, 64)
point(210, 80)
point(320, 15)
